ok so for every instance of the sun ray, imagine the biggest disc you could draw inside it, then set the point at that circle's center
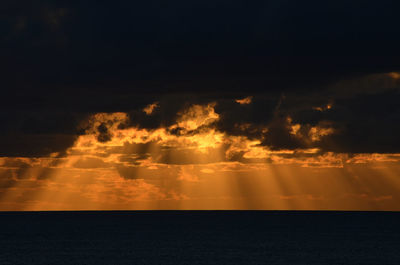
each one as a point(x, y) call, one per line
point(191, 164)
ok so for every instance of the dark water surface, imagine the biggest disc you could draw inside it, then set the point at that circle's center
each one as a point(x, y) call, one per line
point(200, 237)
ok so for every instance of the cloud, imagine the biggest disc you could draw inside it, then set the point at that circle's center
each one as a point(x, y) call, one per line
point(138, 172)
point(71, 71)
point(344, 121)
point(185, 175)
point(7, 179)
point(150, 108)
point(197, 116)
point(96, 98)
point(34, 145)
point(394, 75)
point(91, 162)
point(244, 101)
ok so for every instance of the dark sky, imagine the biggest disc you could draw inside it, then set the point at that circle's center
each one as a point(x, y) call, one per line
point(62, 61)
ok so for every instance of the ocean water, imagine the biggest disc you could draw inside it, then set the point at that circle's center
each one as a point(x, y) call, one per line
point(200, 237)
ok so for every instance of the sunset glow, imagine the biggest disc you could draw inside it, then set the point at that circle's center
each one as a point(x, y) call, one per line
point(199, 132)
point(191, 164)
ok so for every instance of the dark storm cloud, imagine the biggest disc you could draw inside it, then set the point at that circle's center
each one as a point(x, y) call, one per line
point(254, 116)
point(365, 123)
point(37, 132)
point(63, 61)
point(362, 122)
point(201, 45)
point(34, 145)
point(104, 134)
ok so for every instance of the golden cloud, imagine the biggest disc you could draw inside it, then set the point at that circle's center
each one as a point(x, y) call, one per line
point(198, 167)
point(244, 101)
point(150, 108)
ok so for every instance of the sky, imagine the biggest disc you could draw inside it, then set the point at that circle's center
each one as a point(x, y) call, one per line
point(275, 105)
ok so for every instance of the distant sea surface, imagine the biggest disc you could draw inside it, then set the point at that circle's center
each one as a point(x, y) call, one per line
point(200, 237)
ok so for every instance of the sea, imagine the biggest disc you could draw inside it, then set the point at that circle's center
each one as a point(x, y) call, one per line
point(200, 237)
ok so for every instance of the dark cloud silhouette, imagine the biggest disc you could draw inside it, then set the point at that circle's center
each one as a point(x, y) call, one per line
point(34, 145)
point(33, 132)
point(104, 134)
point(63, 61)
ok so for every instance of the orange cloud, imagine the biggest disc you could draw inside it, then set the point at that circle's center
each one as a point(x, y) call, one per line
point(193, 165)
point(197, 116)
point(394, 75)
point(324, 108)
point(244, 101)
point(150, 108)
point(186, 175)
